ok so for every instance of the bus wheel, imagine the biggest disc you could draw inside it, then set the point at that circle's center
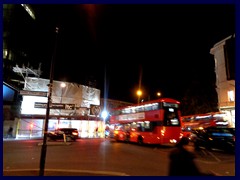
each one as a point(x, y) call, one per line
point(140, 140)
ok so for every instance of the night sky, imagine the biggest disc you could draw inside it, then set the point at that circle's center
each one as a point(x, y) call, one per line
point(168, 46)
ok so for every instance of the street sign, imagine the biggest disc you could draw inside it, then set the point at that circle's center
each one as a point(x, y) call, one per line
point(55, 106)
point(33, 93)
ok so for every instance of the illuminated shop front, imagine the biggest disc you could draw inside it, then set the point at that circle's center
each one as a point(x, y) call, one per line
point(72, 105)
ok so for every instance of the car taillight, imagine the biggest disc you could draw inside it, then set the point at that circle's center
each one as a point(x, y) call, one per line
point(233, 138)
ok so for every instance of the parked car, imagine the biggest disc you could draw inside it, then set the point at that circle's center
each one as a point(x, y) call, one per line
point(214, 138)
point(232, 130)
point(71, 134)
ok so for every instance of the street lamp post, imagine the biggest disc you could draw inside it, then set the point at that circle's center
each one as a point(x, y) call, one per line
point(63, 85)
point(44, 145)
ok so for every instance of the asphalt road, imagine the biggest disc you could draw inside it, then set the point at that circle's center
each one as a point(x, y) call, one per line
point(102, 157)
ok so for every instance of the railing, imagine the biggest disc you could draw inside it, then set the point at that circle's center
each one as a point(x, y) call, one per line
point(24, 133)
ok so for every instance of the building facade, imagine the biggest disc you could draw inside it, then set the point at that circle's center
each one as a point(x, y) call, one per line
point(224, 56)
point(72, 105)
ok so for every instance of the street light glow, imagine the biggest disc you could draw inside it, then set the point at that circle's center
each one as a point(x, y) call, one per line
point(139, 92)
point(104, 114)
point(63, 85)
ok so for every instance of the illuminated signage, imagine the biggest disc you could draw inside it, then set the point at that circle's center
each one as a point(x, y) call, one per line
point(55, 106)
point(33, 93)
point(136, 116)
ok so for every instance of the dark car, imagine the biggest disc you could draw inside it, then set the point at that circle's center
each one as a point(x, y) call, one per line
point(214, 138)
point(232, 130)
point(71, 134)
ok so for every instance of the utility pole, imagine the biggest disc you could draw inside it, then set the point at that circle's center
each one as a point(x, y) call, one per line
point(49, 103)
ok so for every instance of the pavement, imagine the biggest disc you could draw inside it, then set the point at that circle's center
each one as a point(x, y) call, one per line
point(55, 172)
point(60, 172)
point(21, 138)
point(63, 172)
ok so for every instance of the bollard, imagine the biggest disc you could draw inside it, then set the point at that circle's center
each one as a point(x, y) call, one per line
point(64, 137)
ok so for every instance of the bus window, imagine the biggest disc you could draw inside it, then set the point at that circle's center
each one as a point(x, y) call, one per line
point(140, 109)
point(155, 106)
point(139, 127)
point(148, 108)
point(171, 117)
point(148, 126)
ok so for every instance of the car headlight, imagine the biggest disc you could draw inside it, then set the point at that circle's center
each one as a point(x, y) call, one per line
point(74, 133)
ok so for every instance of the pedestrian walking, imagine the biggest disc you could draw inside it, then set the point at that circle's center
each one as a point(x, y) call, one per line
point(9, 133)
point(96, 131)
point(182, 161)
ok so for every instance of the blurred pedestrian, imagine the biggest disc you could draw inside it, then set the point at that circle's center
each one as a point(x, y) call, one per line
point(96, 131)
point(182, 161)
point(107, 131)
point(9, 133)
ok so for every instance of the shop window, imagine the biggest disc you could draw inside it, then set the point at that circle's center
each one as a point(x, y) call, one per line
point(231, 96)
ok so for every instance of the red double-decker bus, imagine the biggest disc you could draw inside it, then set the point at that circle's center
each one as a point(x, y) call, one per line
point(153, 122)
point(199, 121)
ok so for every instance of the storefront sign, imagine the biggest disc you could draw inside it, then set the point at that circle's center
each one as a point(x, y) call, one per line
point(55, 106)
point(33, 93)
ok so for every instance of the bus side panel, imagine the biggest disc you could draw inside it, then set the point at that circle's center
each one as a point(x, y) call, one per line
point(119, 135)
point(148, 137)
point(134, 136)
point(164, 135)
point(155, 115)
point(151, 138)
point(169, 134)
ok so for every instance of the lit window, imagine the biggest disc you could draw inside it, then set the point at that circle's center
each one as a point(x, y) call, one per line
point(230, 96)
point(5, 53)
